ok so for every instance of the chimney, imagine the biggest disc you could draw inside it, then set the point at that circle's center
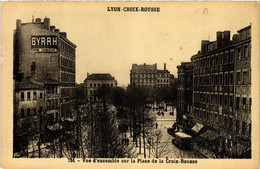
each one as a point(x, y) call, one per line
point(87, 74)
point(227, 35)
point(204, 45)
point(164, 66)
point(52, 28)
point(235, 38)
point(20, 76)
point(32, 19)
point(64, 34)
point(46, 23)
point(56, 30)
point(134, 65)
point(38, 20)
point(155, 65)
point(219, 35)
point(18, 24)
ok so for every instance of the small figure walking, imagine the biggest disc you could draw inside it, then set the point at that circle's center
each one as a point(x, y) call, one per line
point(156, 125)
point(73, 156)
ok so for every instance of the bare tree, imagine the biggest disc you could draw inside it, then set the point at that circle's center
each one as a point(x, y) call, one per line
point(158, 147)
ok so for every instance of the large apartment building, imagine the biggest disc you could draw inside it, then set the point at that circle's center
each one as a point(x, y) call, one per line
point(44, 54)
point(221, 93)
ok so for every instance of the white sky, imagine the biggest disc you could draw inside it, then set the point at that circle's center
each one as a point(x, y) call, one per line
point(110, 42)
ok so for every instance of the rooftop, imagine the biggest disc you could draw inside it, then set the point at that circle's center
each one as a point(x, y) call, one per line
point(163, 71)
point(100, 76)
point(144, 66)
point(28, 85)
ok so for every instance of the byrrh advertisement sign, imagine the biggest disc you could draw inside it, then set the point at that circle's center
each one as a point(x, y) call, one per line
point(44, 43)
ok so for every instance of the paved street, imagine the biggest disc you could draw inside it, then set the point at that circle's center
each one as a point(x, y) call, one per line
point(165, 122)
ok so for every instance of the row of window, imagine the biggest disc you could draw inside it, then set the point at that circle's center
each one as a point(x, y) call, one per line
point(28, 98)
point(52, 103)
point(184, 108)
point(144, 81)
point(214, 79)
point(223, 100)
point(187, 94)
point(67, 92)
point(151, 80)
point(51, 89)
point(150, 85)
point(67, 48)
point(99, 85)
point(184, 79)
point(162, 80)
point(67, 62)
point(136, 71)
point(30, 112)
point(140, 75)
point(219, 79)
point(222, 57)
point(52, 118)
point(215, 60)
point(67, 77)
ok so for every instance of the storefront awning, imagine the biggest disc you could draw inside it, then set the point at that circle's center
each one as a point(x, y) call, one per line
point(197, 127)
point(55, 127)
point(51, 111)
point(182, 135)
point(210, 135)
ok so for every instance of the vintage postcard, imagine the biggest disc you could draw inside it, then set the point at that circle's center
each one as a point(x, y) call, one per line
point(130, 84)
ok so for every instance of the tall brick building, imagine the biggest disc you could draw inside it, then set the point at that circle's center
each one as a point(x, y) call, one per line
point(45, 54)
point(44, 51)
point(221, 93)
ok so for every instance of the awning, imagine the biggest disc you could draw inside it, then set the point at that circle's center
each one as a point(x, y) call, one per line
point(197, 127)
point(69, 119)
point(182, 135)
point(210, 135)
point(51, 111)
point(55, 127)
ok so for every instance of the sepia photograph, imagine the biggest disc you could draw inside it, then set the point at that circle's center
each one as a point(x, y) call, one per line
point(170, 83)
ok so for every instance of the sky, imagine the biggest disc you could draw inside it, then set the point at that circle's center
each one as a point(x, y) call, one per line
point(110, 42)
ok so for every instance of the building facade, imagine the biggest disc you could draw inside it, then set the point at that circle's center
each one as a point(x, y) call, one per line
point(94, 81)
point(43, 53)
point(184, 94)
point(149, 76)
point(29, 117)
point(221, 93)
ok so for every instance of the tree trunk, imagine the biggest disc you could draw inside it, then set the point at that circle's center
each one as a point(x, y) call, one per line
point(144, 135)
point(39, 145)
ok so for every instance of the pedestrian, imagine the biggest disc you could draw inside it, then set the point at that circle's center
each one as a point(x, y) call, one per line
point(127, 141)
point(156, 125)
point(162, 113)
point(73, 156)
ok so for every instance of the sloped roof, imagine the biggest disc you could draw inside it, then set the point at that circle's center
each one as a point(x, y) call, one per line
point(28, 85)
point(144, 66)
point(101, 76)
